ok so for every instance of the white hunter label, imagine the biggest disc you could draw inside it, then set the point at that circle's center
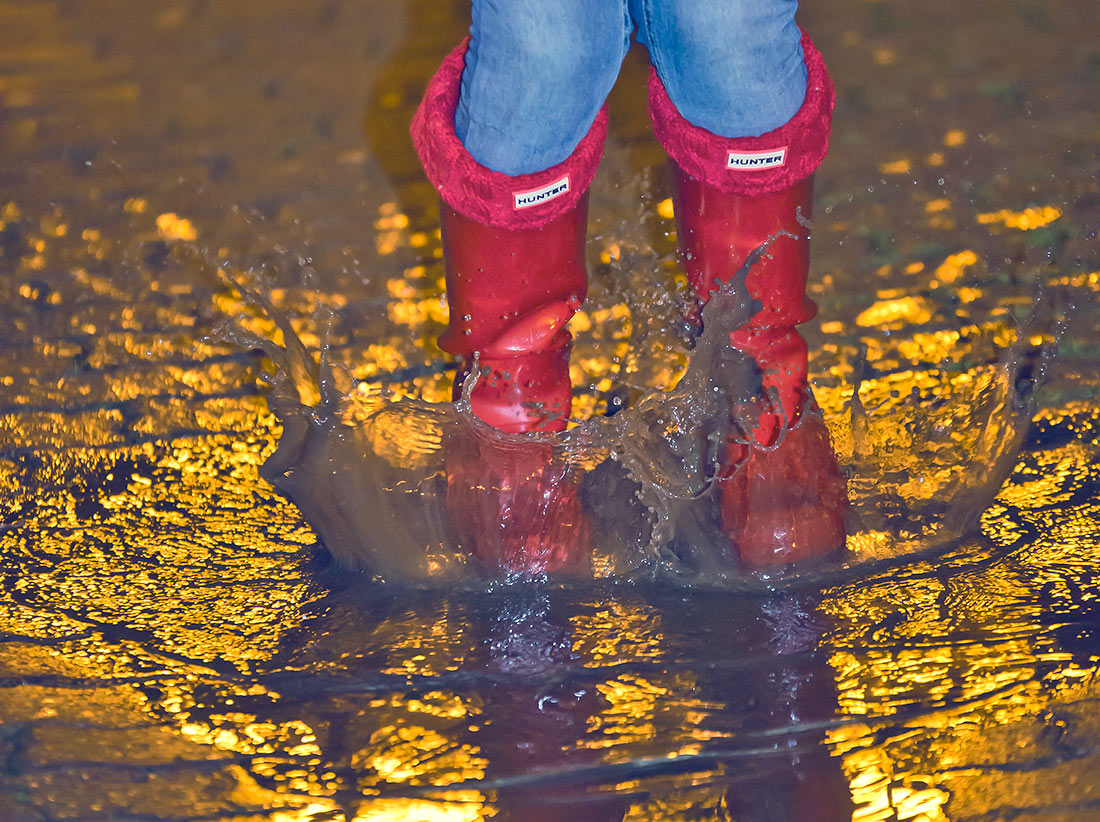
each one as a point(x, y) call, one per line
point(524, 199)
point(757, 160)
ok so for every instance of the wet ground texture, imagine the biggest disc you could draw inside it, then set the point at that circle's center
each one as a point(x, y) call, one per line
point(173, 645)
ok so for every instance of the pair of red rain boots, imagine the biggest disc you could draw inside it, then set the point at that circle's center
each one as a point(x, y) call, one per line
point(514, 258)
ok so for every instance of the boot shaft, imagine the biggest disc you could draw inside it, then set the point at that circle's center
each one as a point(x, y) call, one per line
point(721, 233)
point(511, 292)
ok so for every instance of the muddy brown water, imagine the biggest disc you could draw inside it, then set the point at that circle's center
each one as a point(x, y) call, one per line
point(174, 644)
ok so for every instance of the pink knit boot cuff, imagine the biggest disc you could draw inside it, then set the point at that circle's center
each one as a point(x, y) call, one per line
point(514, 203)
point(751, 165)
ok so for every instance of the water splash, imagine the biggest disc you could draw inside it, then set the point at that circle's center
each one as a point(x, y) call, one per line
point(408, 490)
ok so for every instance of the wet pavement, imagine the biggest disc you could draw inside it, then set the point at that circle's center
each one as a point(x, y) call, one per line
point(173, 645)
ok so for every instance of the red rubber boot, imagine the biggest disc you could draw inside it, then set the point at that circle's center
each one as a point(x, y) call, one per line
point(511, 294)
point(513, 249)
point(510, 501)
point(748, 200)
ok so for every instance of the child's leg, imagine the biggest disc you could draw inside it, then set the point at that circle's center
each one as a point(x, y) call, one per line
point(536, 75)
point(734, 68)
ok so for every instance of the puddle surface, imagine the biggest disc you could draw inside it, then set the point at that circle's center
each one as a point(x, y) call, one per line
point(174, 644)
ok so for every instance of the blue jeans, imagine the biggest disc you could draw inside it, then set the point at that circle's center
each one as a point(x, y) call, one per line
point(537, 71)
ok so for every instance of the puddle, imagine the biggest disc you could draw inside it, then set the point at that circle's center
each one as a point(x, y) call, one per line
point(175, 643)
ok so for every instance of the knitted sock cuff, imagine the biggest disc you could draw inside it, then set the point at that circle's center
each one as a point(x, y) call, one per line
point(751, 165)
point(522, 202)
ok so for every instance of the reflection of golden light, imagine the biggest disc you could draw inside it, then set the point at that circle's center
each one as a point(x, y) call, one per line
point(629, 716)
point(880, 795)
point(438, 703)
point(585, 406)
point(1090, 280)
point(671, 365)
point(393, 233)
point(665, 209)
point(955, 266)
point(895, 167)
point(934, 159)
point(416, 755)
point(173, 227)
point(308, 812)
point(955, 137)
point(884, 56)
point(639, 711)
point(616, 632)
point(390, 216)
point(416, 300)
point(870, 543)
point(418, 312)
point(638, 708)
point(611, 324)
point(422, 810)
point(402, 440)
point(579, 323)
point(424, 644)
point(1046, 488)
point(903, 310)
point(379, 359)
point(34, 292)
point(281, 806)
point(387, 241)
point(241, 734)
point(434, 388)
point(400, 289)
point(52, 226)
point(942, 204)
point(978, 700)
point(1026, 220)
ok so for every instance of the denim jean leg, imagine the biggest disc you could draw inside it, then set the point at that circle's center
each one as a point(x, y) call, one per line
point(536, 75)
point(733, 67)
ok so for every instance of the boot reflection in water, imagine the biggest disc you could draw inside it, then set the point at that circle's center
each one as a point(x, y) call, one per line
point(510, 133)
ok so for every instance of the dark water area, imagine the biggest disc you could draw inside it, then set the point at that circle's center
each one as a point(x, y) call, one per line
point(175, 643)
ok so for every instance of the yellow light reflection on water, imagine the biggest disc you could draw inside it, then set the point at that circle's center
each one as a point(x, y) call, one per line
point(954, 138)
point(896, 313)
point(415, 755)
point(208, 598)
point(955, 266)
point(173, 227)
point(1026, 220)
point(421, 810)
point(933, 712)
point(896, 167)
